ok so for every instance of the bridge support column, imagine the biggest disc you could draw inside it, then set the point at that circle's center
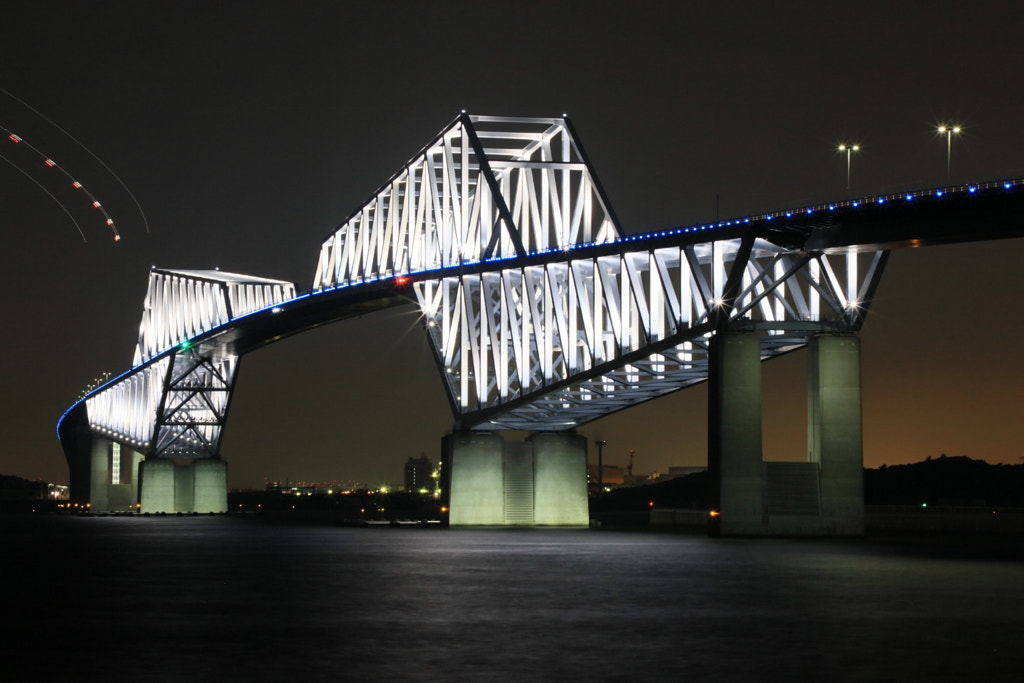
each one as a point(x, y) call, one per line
point(198, 486)
point(835, 431)
point(560, 479)
point(734, 434)
point(113, 476)
point(210, 486)
point(539, 482)
point(821, 497)
point(99, 475)
point(473, 470)
point(157, 486)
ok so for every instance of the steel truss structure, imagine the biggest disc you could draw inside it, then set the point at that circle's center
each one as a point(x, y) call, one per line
point(560, 343)
point(181, 304)
point(174, 401)
point(486, 188)
point(541, 313)
point(556, 345)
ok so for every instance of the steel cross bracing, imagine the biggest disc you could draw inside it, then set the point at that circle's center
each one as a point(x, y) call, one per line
point(194, 407)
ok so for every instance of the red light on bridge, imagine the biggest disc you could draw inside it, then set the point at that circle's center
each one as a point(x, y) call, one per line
point(402, 280)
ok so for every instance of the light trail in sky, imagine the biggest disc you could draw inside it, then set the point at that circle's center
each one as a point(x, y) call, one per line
point(50, 163)
point(38, 113)
point(51, 195)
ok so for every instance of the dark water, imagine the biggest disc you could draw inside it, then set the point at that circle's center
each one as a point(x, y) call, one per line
point(240, 599)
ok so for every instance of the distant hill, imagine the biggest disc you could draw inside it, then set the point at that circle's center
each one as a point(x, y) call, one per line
point(946, 480)
point(688, 492)
point(18, 495)
point(16, 488)
point(936, 481)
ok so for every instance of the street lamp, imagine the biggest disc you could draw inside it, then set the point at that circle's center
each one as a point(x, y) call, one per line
point(600, 465)
point(949, 131)
point(849, 149)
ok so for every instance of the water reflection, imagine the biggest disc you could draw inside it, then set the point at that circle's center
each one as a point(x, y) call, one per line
point(226, 599)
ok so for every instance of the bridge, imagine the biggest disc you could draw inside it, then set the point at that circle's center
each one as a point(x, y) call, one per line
point(543, 315)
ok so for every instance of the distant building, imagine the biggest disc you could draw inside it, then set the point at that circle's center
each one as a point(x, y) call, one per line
point(418, 473)
point(58, 492)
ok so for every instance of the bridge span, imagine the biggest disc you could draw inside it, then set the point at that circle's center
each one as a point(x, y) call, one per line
point(543, 315)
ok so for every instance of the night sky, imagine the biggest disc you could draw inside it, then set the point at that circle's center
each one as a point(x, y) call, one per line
point(248, 130)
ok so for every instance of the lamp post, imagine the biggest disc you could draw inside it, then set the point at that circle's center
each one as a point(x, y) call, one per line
point(849, 149)
point(949, 131)
point(600, 465)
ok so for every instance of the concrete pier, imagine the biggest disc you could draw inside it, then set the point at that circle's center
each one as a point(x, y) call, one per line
point(210, 486)
point(196, 486)
point(835, 431)
point(113, 476)
point(820, 496)
point(734, 433)
point(560, 479)
point(158, 486)
point(541, 481)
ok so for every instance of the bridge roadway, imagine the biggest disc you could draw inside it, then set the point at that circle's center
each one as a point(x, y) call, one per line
point(963, 213)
